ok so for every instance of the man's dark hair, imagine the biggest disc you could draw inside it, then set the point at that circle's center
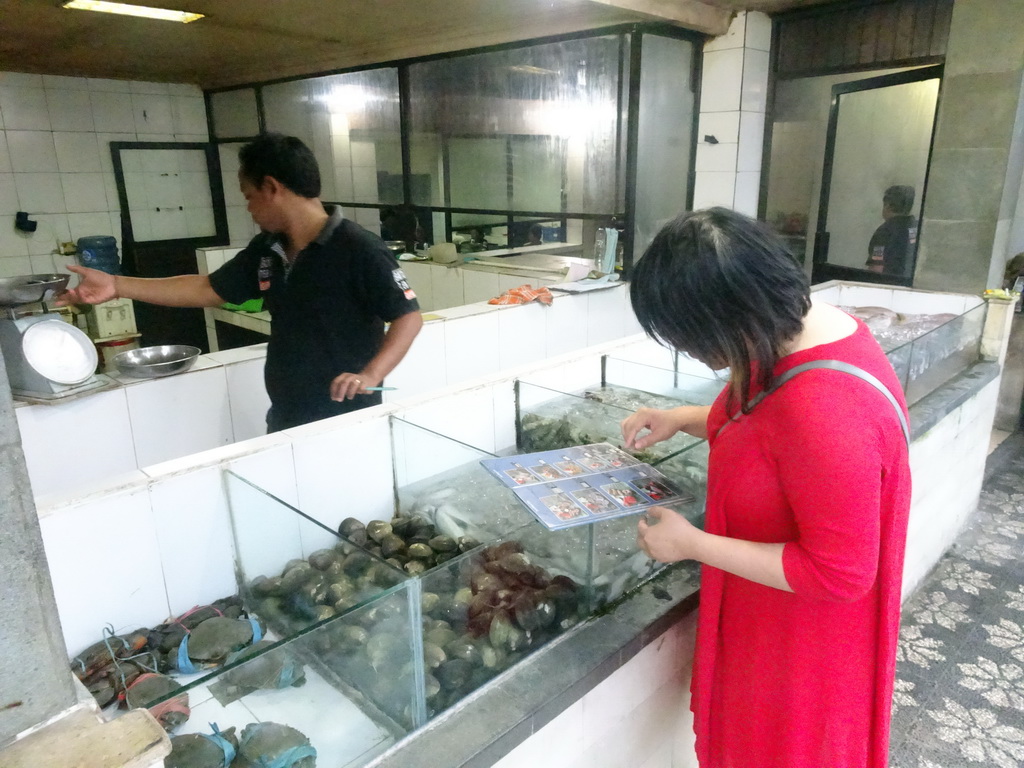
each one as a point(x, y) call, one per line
point(899, 198)
point(286, 159)
point(723, 288)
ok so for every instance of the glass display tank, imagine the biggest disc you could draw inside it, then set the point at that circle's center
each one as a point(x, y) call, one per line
point(926, 350)
point(340, 692)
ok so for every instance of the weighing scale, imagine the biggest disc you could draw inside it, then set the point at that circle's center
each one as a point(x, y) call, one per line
point(47, 359)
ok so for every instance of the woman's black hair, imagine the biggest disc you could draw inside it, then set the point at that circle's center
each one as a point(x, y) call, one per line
point(723, 288)
point(286, 159)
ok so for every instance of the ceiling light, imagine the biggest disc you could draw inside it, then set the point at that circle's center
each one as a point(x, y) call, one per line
point(133, 10)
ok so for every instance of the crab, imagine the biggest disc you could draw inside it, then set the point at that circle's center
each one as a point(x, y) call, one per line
point(200, 750)
point(101, 654)
point(269, 670)
point(212, 641)
point(152, 687)
point(167, 636)
point(274, 744)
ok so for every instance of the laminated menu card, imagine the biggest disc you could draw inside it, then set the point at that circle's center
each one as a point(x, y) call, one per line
point(583, 484)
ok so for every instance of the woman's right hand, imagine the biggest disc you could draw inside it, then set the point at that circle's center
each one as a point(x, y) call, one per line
point(661, 425)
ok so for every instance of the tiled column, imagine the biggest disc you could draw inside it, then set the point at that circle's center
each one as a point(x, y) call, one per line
point(35, 681)
point(734, 85)
point(975, 173)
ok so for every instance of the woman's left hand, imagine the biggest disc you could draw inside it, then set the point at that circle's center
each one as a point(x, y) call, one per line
point(666, 536)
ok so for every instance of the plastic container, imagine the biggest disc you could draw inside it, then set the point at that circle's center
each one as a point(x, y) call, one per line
point(99, 252)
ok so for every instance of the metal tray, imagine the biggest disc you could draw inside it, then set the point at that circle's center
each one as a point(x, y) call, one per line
point(152, 362)
point(27, 289)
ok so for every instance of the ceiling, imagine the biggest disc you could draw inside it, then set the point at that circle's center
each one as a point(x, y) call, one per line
point(245, 41)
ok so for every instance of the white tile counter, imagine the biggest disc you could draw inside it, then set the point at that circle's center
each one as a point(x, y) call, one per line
point(221, 400)
point(476, 277)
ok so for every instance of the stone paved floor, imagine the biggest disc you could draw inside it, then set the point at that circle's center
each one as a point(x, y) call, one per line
point(959, 700)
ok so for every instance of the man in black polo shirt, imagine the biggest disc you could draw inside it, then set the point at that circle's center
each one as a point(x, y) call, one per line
point(893, 244)
point(329, 285)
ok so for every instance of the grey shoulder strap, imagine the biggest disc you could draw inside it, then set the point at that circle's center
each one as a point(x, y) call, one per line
point(832, 365)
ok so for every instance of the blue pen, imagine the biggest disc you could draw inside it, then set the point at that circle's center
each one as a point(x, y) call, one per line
point(380, 389)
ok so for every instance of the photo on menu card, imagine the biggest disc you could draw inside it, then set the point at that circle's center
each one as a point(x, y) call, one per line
point(595, 501)
point(562, 506)
point(624, 494)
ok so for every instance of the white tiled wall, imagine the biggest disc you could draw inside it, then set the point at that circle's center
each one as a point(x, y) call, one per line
point(57, 461)
point(193, 529)
point(223, 399)
point(947, 465)
point(120, 581)
point(55, 162)
point(734, 86)
point(179, 415)
point(638, 716)
point(357, 460)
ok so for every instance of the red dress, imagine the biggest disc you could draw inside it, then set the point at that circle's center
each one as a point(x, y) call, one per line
point(804, 679)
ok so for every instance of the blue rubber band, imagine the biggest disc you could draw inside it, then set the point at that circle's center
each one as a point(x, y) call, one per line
point(226, 746)
point(289, 757)
point(257, 630)
point(289, 674)
point(185, 665)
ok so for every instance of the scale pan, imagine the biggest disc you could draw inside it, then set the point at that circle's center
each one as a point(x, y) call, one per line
point(59, 352)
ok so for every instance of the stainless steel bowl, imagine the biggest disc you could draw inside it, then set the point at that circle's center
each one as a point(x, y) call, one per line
point(152, 362)
point(26, 289)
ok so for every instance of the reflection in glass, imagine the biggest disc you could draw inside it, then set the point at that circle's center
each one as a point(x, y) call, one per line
point(664, 135)
point(351, 122)
point(234, 113)
point(506, 123)
point(883, 137)
point(801, 116)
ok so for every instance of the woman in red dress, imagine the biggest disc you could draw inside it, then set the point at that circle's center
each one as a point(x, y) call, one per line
point(807, 503)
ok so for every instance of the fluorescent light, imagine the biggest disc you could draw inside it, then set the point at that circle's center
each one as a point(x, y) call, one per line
point(133, 10)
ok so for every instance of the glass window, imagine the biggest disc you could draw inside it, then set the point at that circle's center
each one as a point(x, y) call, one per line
point(478, 172)
point(351, 122)
point(664, 135)
point(799, 130)
point(234, 113)
point(530, 129)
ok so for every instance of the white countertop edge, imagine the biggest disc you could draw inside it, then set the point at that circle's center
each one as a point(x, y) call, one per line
point(138, 481)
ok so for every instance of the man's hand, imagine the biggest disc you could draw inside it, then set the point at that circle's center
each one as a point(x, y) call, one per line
point(668, 537)
point(348, 385)
point(94, 287)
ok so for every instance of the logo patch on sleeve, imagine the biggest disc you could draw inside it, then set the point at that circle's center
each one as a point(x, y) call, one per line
point(402, 282)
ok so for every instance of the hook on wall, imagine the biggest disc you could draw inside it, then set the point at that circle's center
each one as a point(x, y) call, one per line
point(24, 223)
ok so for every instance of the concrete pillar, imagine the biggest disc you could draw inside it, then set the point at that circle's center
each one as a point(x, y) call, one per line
point(35, 678)
point(975, 173)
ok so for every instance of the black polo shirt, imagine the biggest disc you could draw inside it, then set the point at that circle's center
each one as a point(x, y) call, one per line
point(328, 312)
point(893, 245)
